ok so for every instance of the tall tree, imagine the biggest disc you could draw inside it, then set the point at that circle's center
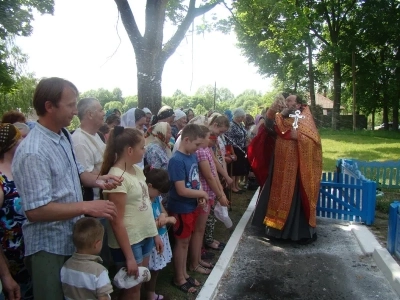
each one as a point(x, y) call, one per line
point(20, 96)
point(281, 31)
point(15, 20)
point(150, 52)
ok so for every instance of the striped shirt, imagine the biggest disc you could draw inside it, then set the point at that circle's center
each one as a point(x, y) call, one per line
point(45, 171)
point(83, 277)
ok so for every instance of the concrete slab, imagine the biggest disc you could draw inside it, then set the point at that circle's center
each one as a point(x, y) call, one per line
point(366, 239)
point(389, 267)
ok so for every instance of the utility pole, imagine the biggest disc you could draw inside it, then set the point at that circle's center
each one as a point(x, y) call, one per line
point(215, 93)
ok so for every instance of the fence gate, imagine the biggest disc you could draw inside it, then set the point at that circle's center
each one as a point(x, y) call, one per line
point(344, 197)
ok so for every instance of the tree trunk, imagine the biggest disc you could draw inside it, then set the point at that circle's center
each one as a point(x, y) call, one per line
point(150, 49)
point(395, 107)
point(385, 111)
point(311, 78)
point(395, 100)
point(149, 77)
point(373, 119)
point(337, 83)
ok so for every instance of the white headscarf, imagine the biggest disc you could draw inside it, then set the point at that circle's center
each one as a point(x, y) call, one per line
point(128, 118)
point(179, 114)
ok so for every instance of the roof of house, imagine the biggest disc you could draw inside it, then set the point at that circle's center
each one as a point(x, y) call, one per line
point(325, 102)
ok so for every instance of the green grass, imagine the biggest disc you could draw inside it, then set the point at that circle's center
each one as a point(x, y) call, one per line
point(362, 145)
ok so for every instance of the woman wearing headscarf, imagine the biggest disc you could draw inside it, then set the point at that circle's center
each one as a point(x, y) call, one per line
point(158, 152)
point(11, 216)
point(112, 112)
point(237, 137)
point(228, 114)
point(165, 114)
point(148, 117)
point(199, 120)
point(134, 118)
point(189, 114)
point(180, 121)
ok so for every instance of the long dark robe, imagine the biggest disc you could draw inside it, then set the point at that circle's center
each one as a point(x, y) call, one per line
point(298, 219)
point(296, 226)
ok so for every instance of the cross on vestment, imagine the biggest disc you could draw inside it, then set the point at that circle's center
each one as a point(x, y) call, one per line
point(297, 115)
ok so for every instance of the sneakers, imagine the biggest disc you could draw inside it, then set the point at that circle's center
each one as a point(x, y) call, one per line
point(123, 281)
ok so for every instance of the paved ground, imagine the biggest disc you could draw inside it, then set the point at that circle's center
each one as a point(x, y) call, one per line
point(331, 268)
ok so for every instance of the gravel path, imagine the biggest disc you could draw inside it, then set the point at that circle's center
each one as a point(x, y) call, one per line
point(331, 268)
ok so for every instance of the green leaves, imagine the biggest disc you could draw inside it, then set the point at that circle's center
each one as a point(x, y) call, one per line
point(16, 15)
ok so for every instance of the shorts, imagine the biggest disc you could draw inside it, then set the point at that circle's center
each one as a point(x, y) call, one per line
point(205, 210)
point(140, 251)
point(185, 224)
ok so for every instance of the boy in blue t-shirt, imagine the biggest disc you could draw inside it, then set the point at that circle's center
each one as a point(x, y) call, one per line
point(185, 195)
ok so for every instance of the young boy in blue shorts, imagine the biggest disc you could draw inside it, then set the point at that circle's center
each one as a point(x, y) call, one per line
point(184, 196)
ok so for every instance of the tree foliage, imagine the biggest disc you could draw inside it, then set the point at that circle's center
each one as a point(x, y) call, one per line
point(15, 20)
point(20, 96)
point(275, 36)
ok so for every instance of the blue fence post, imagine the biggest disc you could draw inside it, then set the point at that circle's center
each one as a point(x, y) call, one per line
point(371, 201)
point(392, 226)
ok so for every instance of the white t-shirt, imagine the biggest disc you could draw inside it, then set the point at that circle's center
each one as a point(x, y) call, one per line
point(89, 150)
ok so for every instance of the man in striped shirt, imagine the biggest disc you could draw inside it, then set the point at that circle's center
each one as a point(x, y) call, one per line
point(49, 180)
point(83, 276)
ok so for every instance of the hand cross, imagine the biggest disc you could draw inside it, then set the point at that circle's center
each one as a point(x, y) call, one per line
point(297, 115)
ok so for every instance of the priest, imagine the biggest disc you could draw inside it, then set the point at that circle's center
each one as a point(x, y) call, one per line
point(287, 203)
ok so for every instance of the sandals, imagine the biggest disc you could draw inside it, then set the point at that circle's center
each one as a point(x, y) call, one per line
point(186, 287)
point(201, 270)
point(220, 247)
point(207, 255)
point(207, 265)
point(193, 281)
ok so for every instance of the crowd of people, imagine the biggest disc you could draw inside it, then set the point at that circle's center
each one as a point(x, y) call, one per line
point(162, 175)
point(138, 190)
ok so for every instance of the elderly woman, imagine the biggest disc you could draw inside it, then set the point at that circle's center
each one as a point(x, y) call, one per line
point(165, 114)
point(237, 136)
point(179, 122)
point(11, 216)
point(158, 151)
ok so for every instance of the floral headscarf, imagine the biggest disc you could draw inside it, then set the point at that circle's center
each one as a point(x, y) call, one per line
point(9, 136)
point(157, 134)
